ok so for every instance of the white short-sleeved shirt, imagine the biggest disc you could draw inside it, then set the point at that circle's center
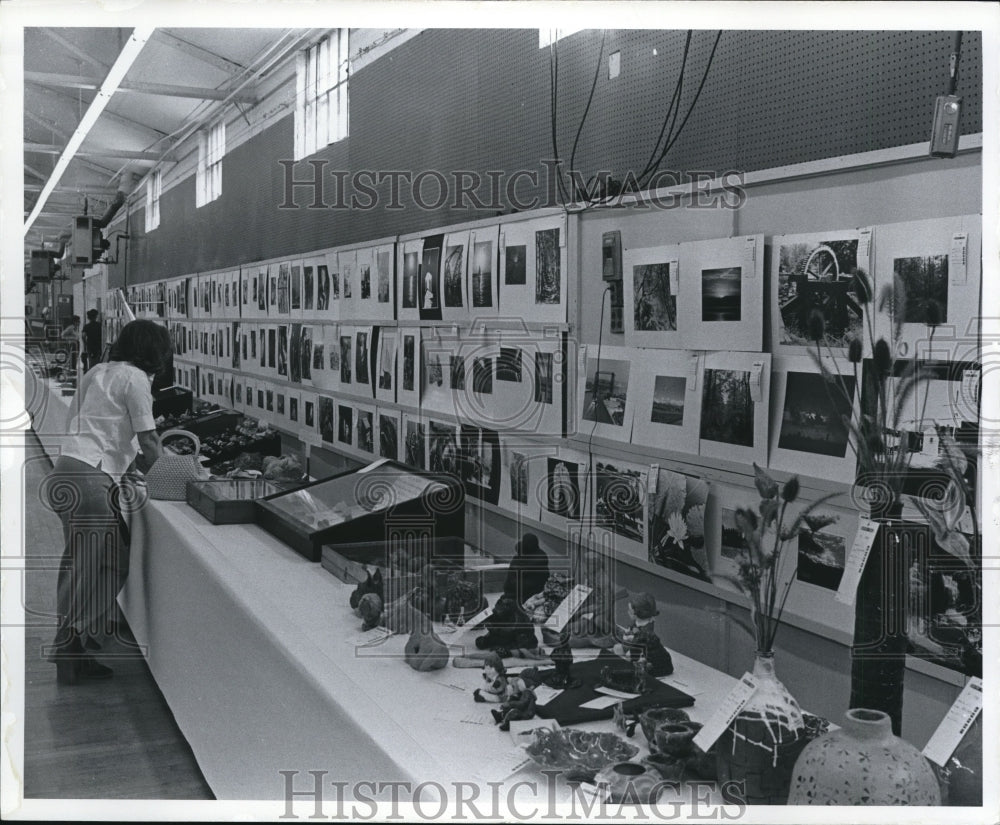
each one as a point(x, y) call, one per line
point(115, 402)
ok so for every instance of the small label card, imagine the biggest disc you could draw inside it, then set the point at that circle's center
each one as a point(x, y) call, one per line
point(726, 712)
point(865, 247)
point(749, 256)
point(693, 372)
point(756, 379)
point(618, 694)
point(652, 480)
point(567, 607)
point(956, 722)
point(600, 703)
point(673, 267)
point(478, 619)
point(856, 561)
point(958, 261)
point(545, 694)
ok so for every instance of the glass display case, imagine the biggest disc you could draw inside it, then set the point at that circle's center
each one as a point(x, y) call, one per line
point(374, 504)
point(230, 501)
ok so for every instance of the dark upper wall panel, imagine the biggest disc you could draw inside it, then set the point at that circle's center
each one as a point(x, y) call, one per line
point(479, 100)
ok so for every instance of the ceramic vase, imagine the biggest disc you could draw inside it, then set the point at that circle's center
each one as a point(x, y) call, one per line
point(760, 748)
point(630, 783)
point(962, 776)
point(863, 763)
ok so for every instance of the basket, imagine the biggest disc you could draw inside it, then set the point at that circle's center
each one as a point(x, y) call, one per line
point(168, 477)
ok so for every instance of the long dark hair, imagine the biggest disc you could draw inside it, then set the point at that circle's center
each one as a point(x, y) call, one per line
point(146, 344)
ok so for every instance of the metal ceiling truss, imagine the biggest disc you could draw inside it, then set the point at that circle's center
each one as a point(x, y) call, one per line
point(70, 81)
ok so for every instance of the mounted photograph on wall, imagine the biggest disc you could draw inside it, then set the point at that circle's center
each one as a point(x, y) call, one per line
point(822, 553)
point(667, 402)
point(935, 268)
point(345, 425)
point(620, 503)
point(481, 463)
point(734, 390)
point(347, 260)
point(430, 279)
point(326, 418)
point(295, 289)
point(346, 358)
point(810, 433)
point(652, 312)
point(414, 441)
point(443, 453)
point(437, 392)
point(605, 404)
point(408, 360)
point(524, 467)
point(365, 304)
point(453, 277)
point(388, 433)
point(481, 283)
point(322, 291)
point(385, 364)
point(362, 355)
point(385, 281)
point(284, 284)
point(533, 269)
point(408, 265)
point(563, 487)
point(813, 291)
point(365, 427)
point(677, 513)
point(722, 291)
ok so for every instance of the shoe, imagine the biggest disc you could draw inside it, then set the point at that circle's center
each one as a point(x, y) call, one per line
point(68, 654)
point(497, 715)
point(90, 668)
point(505, 726)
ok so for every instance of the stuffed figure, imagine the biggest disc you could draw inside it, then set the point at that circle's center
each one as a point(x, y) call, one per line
point(495, 677)
point(520, 701)
point(372, 584)
point(541, 605)
point(508, 629)
point(425, 651)
point(370, 608)
point(640, 640)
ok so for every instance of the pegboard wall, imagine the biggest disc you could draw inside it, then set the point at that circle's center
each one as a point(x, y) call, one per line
point(479, 100)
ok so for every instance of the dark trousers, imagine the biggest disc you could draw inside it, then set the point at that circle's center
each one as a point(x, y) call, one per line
point(95, 557)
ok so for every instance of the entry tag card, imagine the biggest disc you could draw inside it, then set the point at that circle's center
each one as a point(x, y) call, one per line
point(726, 712)
point(856, 560)
point(958, 261)
point(567, 607)
point(864, 246)
point(673, 267)
point(956, 723)
point(749, 256)
point(478, 619)
point(756, 377)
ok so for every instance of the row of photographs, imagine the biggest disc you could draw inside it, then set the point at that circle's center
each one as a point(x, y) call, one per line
point(519, 269)
point(735, 406)
point(685, 296)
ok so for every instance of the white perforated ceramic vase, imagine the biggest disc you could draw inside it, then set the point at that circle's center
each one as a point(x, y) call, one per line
point(863, 763)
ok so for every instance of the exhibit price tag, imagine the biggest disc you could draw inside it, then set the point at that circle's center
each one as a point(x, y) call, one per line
point(856, 561)
point(956, 723)
point(503, 240)
point(970, 385)
point(756, 381)
point(958, 259)
point(726, 712)
point(673, 267)
point(653, 479)
point(750, 257)
point(693, 373)
point(567, 607)
point(865, 247)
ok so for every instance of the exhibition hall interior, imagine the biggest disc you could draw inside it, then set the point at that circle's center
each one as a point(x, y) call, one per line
point(560, 419)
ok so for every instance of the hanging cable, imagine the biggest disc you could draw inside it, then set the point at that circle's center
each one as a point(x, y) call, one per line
point(553, 108)
point(590, 98)
point(672, 109)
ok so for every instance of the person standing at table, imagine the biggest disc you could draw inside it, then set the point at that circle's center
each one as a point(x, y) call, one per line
point(114, 415)
point(92, 339)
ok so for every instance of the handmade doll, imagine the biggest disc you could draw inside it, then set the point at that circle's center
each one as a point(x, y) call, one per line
point(640, 639)
point(542, 605)
point(520, 701)
point(495, 677)
point(508, 629)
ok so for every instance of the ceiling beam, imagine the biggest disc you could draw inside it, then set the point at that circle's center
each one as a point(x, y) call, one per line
point(125, 154)
point(47, 124)
point(70, 81)
point(69, 189)
point(76, 50)
point(112, 116)
point(35, 172)
point(230, 67)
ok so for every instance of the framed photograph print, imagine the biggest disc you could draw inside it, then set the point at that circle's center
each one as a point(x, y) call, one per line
point(408, 367)
point(620, 503)
point(384, 378)
point(481, 283)
point(454, 267)
point(532, 275)
point(332, 311)
point(347, 262)
point(365, 293)
point(388, 434)
point(384, 282)
point(414, 444)
point(813, 289)
point(652, 311)
point(408, 255)
point(667, 401)
point(735, 388)
point(606, 392)
point(430, 278)
point(722, 292)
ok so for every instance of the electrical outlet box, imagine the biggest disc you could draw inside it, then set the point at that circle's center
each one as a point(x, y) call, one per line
point(944, 130)
point(617, 307)
point(611, 256)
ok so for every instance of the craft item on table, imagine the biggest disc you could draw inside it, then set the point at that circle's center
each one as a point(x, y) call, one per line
point(570, 748)
point(460, 600)
point(400, 616)
point(542, 605)
point(519, 658)
point(630, 783)
point(562, 656)
point(640, 639)
point(509, 630)
point(625, 722)
point(282, 468)
point(495, 677)
point(520, 701)
point(528, 571)
point(651, 718)
point(425, 651)
point(370, 610)
point(372, 584)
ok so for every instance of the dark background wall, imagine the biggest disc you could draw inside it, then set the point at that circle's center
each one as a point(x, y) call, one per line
point(480, 100)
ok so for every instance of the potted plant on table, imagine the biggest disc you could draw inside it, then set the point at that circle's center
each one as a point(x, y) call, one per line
point(761, 745)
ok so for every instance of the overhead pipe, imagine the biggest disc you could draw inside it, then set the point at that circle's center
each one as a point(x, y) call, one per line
point(113, 208)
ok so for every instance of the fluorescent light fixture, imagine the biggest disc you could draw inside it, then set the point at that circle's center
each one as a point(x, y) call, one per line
point(110, 85)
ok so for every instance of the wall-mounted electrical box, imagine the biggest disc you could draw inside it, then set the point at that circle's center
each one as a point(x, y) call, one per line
point(611, 256)
point(944, 130)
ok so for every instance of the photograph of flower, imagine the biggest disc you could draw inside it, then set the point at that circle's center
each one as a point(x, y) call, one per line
point(925, 281)
point(668, 400)
point(821, 554)
point(814, 420)
point(606, 391)
point(515, 268)
point(548, 288)
point(454, 275)
point(721, 294)
point(815, 279)
point(727, 409)
point(676, 516)
point(345, 422)
point(620, 498)
point(654, 308)
point(562, 488)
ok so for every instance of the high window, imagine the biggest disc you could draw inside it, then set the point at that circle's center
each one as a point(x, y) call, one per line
point(211, 148)
point(154, 185)
point(321, 111)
